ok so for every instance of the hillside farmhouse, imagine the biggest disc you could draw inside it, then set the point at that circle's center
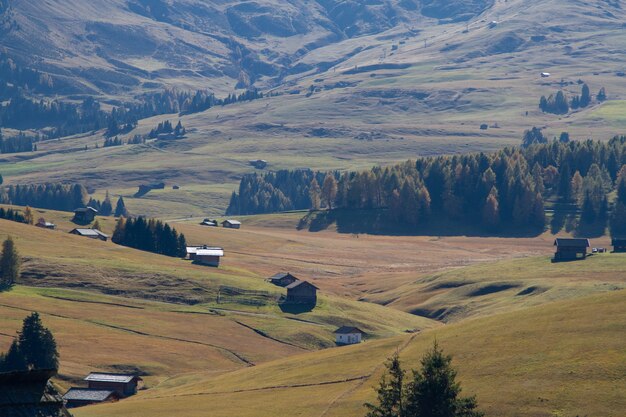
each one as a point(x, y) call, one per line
point(282, 279)
point(205, 255)
point(619, 245)
point(231, 224)
point(301, 292)
point(45, 225)
point(123, 385)
point(84, 215)
point(568, 249)
point(79, 397)
point(29, 393)
point(90, 233)
point(346, 335)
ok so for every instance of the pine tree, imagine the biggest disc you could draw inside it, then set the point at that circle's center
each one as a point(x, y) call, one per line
point(13, 360)
point(576, 187)
point(390, 392)
point(120, 208)
point(434, 392)
point(601, 95)
point(28, 215)
point(106, 208)
point(585, 96)
point(37, 344)
point(9, 264)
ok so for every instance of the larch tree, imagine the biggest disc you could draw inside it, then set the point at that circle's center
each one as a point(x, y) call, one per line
point(329, 190)
point(315, 195)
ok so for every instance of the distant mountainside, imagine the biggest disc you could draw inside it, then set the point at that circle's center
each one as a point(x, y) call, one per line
point(116, 46)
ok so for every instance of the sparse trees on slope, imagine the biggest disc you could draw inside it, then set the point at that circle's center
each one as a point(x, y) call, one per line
point(34, 348)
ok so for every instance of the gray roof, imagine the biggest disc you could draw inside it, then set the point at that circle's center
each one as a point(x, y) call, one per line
point(210, 252)
point(85, 209)
point(106, 377)
point(348, 330)
point(571, 243)
point(232, 221)
point(281, 275)
point(298, 283)
point(87, 394)
point(89, 232)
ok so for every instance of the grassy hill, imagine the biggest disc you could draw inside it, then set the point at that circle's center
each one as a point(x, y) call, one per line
point(565, 359)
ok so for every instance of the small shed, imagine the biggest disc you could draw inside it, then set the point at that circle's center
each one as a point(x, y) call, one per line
point(619, 245)
point(208, 256)
point(45, 225)
point(231, 224)
point(282, 279)
point(79, 397)
point(301, 292)
point(346, 335)
point(209, 222)
point(90, 233)
point(84, 215)
point(123, 385)
point(30, 393)
point(568, 249)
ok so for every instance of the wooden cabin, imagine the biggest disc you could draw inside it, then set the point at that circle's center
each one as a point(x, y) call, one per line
point(79, 397)
point(30, 393)
point(90, 233)
point(346, 335)
point(619, 245)
point(209, 256)
point(209, 222)
point(282, 279)
point(301, 292)
point(84, 215)
point(123, 385)
point(568, 249)
point(231, 224)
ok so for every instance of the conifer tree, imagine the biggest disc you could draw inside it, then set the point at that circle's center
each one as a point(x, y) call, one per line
point(491, 210)
point(28, 215)
point(390, 392)
point(9, 264)
point(601, 95)
point(585, 96)
point(120, 208)
point(37, 344)
point(106, 208)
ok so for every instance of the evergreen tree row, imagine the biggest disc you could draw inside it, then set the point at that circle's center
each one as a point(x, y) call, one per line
point(559, 104)
point(62, 197)
point(150, 235)
point(13, 215)
point(505, 190)
point(19, 143)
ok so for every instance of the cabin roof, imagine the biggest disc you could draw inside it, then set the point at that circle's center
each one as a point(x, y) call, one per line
point(89, 232)
point(232, 221)
point(110, 377)
point(281, 275)
point(348, 330)
point(299, 283)
point(87, 394)
point(571, 243)
point(85, 209)
point(210, 252)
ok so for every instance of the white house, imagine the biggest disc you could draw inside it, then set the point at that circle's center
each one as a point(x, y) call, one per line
point(346, 335)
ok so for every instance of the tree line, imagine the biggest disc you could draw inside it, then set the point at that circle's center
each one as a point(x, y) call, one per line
point(55, 118)
point(19, 143)
point(501, 191)
point(559, 103)
point(150, 235)
point(62, 197)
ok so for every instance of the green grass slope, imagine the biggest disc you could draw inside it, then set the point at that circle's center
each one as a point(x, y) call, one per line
point(562, 359)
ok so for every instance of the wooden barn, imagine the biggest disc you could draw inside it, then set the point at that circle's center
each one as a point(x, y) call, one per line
point(282, 279)
point(90, 233)
point(347, 335)
point(619, 245)
point(209, 222)
point(205, 255)
point(30, 393)
point(568, 249)
point(79, 397)
point(84, 215)
point(123, 385)
point(301, 292)
point(231, 224)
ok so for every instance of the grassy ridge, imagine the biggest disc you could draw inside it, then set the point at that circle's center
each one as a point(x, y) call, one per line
point(565, 359)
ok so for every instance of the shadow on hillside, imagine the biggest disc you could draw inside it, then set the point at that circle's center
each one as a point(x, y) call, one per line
point(378, 222)
point(296, 308)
